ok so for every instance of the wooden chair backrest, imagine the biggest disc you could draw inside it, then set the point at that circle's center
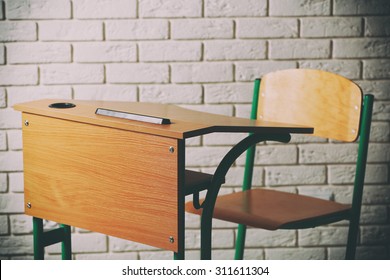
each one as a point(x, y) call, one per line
point(328, 102)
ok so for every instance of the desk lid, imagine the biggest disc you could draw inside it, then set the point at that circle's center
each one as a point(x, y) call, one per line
point(185, 123)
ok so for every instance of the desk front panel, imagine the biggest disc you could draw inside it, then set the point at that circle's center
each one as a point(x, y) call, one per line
point(116, 182)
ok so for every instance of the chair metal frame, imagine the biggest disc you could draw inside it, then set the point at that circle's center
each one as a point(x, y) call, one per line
point(249, 145)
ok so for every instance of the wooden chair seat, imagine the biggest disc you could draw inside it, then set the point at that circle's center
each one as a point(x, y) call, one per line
point(269, 209)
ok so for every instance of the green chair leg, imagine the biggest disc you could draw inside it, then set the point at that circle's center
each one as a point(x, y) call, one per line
point(240, 242)
point(43, 239)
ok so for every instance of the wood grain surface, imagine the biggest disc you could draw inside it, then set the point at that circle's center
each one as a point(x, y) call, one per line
point(107, 180)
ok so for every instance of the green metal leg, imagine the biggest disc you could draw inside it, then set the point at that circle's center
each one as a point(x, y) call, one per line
point(39, 248)
point(240, 242)
point(178, 256)
point(43, 239)
point(66, 246)
point(205, 237)
point(352, 240)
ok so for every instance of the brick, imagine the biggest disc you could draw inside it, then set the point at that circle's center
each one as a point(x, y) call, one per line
point(232, 8)
point(117, 245)
point(3, 182)
point(228, 93)
point(21, 224)
point(201, 29)
point(171, 93)
point(235, 177)
point(11, 161)
point(371, 253)
point(303, 138)
point(303, 48)
point(86, 242)
point(373, 214)
point(253, 254)
point(249, 71)
point(323, 236)
point(106, 92)
point(331, 27)
point(10, 119)
point(2, 55)
point(235, 50)
point(224, 254)
point(266, 238)
point(14, 139)
point(70, 30)
point(361, 48)
point(11, 203)
point(378, 153)
point(157, 255)
point(3, 140)
point(170, 51)
point(221, 238)
point(375, 235)
point(16, 181)
point(226, 110)
point(267, 154)
point(242, 110)
point(381, 110)
point(299, 7)
point(376, 69)
point(205, 156)
point(18, 75)
point(3, 102)
point(361, 7)
point(170, 8)
point(380, 132)
point(38, 9)
point(136, 29)
point(16, 245)
point(102, 9)
point(343, 194)
point(275, 28)
point(4, 225)
point(105, 52)
point(137, 73)
point(377, 26)
point(351, 69)
point(11, 31)
point(25, 94)
point(55, 74)
point(218, 139)
point(292, 175)
point(377, 88)
point(344, 174)
point(106, 256)
point(376, 194)
point(38, 53)
point(328, 153)
point(202, 72)
point(321, 192)
point(2, 10)
point(295, 254)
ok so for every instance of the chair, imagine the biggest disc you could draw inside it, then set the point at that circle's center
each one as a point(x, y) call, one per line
point(337, 109)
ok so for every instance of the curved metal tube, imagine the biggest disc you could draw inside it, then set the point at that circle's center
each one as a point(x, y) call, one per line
point(218, 179)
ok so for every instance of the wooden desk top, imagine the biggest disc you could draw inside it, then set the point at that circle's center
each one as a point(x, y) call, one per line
point(185, 123)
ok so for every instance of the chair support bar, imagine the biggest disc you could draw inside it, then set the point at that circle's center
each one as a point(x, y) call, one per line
point(218, 179)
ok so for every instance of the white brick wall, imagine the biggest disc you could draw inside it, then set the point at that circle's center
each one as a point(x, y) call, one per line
point(202, 55)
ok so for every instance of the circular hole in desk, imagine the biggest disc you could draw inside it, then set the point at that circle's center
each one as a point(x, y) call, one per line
point(62, 105)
